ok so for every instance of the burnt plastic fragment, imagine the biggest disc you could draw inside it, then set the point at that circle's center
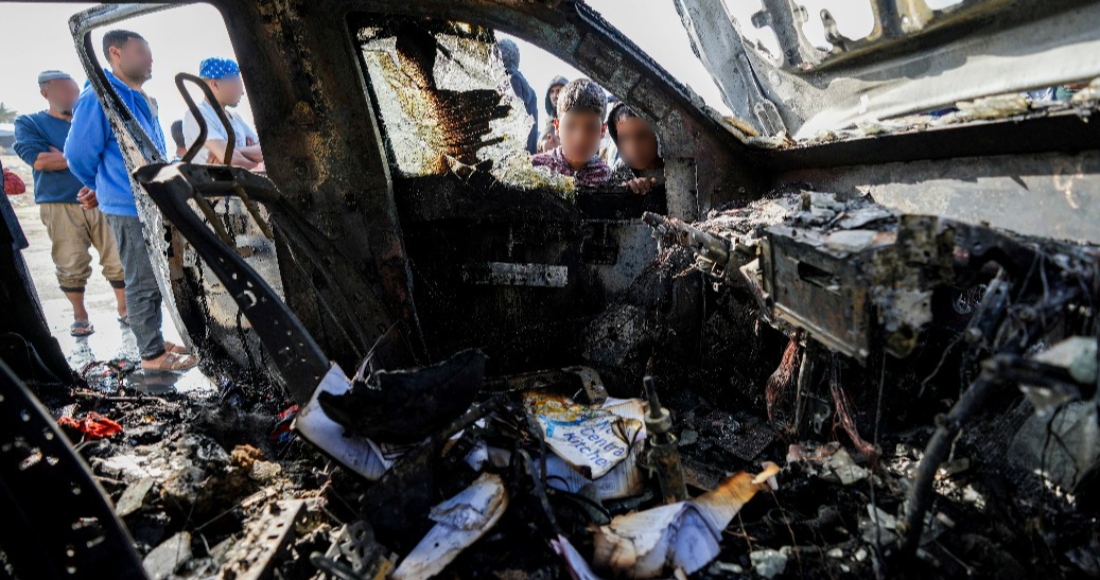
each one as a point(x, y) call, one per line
point(406, 406)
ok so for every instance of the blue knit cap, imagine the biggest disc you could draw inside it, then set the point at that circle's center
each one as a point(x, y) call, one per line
point(219, 68)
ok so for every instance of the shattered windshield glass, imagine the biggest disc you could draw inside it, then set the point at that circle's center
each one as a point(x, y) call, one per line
point(447, 105)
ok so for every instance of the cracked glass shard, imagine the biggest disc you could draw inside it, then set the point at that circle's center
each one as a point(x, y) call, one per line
point(447, 105)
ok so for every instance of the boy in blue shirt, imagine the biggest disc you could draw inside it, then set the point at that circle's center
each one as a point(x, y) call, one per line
point(96, 160)
point(68, 209)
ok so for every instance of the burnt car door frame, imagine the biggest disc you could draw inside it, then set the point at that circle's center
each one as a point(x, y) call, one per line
point(324, 146)
point(326, 150)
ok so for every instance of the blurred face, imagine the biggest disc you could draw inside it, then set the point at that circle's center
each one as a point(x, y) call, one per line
point(554, 91)
point(133, 59)
point(637, 143)
point(62, 95)
point(228, 91)
point(580, 133)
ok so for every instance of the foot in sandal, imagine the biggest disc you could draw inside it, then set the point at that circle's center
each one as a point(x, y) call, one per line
point(81, 328)
point(170, 361)
point(176, 348)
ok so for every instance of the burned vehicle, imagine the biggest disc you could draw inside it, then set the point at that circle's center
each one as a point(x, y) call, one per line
point(868, 297)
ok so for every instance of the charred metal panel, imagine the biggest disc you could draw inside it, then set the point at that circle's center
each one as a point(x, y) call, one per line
point(916, 59)
point(617, 252)
point(452, 231)
point(818, 290)
point(298, 363)
point(25, 341)
point(323, 149)
point(57, 520)
point(730, 65)
point(1067, 130)
point(1051, 194)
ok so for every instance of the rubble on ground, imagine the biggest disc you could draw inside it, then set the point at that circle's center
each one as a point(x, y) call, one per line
point(799, 436)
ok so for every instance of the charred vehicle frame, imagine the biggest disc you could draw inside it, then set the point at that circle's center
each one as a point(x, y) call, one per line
point(337, 259)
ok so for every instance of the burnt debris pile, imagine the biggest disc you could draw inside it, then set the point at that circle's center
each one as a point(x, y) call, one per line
point(806, 386)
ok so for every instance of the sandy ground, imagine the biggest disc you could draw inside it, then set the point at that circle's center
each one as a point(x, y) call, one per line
point(111, 339)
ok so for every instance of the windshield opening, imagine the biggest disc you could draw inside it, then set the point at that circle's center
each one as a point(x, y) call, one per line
point(655, 26)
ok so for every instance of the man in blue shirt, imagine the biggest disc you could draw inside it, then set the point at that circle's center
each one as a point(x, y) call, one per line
point(68, 209)
point(95, 159)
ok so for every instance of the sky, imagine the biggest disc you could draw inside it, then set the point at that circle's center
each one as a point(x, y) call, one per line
point(654, 25)
point(35, 37)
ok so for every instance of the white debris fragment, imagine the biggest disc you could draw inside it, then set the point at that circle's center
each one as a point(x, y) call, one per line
point(768, 563)
point(478, 456)
point(953, 467)
point(973, 496)
point(359, 454)
point(995, 107)
point(1088, 96)
point(471, 509)
point(681, 535)
point(845, 469)
point(1076, 354)
point(850, 241)
point(128, 468)
point(461, 520)
point(726, 568)
point(592, 440)
point(577, 565)
point(883, 519)
point(875, 127)
point(134, 497)
point(484, 454)
point(835, 553)
point(597, 445)
point(828, 461)
point(879, 526)
point(167, 557)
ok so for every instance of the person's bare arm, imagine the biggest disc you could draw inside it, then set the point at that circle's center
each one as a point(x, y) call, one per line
point(252, 152)
point(52, 160)
point(217, 149)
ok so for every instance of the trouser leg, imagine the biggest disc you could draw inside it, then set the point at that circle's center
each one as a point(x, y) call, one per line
point(143, 299)
point(69, 243)
point(109, 260)
point(103, 239)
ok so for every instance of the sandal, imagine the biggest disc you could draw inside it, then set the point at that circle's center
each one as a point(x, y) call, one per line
point(176, 348)
point(173, 361)
point(81, 328)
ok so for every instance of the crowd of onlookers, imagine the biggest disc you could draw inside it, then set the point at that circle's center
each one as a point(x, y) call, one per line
point(581, 138)
point(83, 190)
